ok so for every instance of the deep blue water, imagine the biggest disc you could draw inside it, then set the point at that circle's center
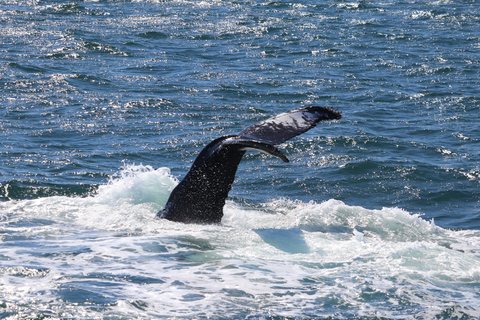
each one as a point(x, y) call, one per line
point(96, 95)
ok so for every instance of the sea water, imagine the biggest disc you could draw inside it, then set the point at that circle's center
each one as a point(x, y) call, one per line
point(104, 106)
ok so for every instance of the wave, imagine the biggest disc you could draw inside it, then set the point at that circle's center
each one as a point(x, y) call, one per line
point(142, 191)
point(132, 197)
point(301, 259)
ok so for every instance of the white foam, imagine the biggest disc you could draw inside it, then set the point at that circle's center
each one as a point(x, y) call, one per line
point(137, 184)
point(288, 258)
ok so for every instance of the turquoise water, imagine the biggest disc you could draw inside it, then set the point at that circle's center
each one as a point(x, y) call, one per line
point(105, 104)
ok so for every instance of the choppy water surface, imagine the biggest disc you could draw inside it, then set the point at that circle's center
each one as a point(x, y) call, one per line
point(105, 104)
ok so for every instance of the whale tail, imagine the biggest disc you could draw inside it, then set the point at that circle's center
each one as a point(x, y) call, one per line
point(201, 195)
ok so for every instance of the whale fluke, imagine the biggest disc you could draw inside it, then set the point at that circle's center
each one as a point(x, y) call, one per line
point(288, 125)
point(201, 195)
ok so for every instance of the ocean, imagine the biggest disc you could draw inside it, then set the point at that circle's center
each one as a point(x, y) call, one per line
point(104, 105)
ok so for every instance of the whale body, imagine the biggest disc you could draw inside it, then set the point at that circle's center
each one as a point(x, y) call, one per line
point(201, 195)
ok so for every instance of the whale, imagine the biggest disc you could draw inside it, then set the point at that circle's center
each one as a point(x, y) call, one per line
point(200, 196)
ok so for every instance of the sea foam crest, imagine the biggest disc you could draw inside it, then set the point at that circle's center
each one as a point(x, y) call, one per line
point(335, 217)
point(137, 184)
point(128, 202)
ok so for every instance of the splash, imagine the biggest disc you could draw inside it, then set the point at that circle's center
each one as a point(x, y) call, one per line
point(136, 184)
point(285, 258)
point(129, 199)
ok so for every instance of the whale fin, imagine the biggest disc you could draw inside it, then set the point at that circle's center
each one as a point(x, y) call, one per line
point(201, 195)
point(285, 126)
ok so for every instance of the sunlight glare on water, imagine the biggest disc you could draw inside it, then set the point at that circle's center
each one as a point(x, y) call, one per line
point(105, 105)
